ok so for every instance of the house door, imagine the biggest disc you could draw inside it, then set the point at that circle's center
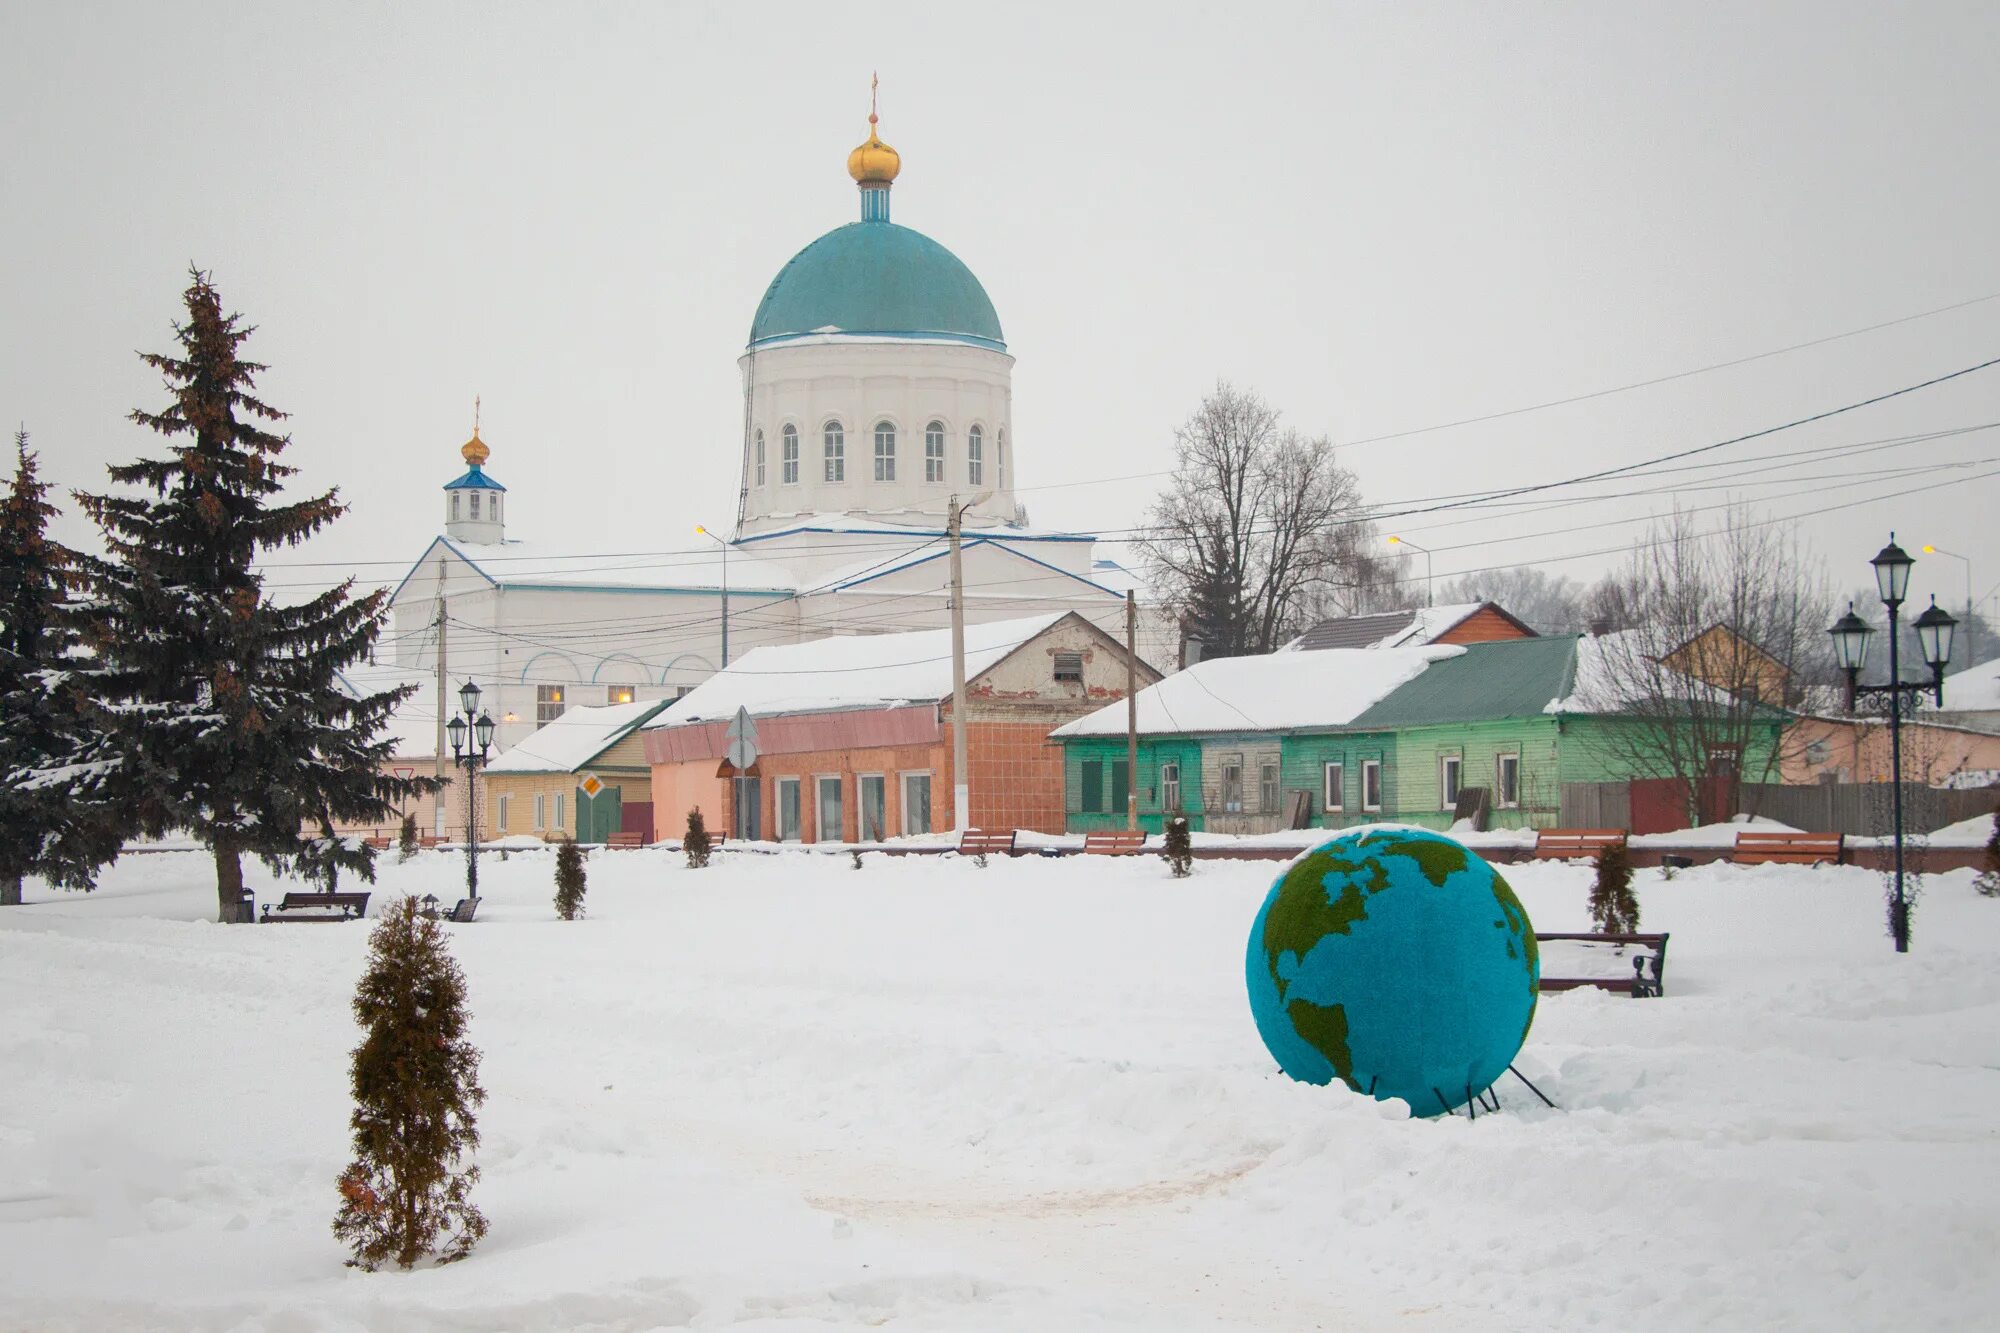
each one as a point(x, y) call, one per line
point(599, 816)
point(831, 814)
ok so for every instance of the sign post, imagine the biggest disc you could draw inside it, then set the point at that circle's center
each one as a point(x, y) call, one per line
point(742, 737)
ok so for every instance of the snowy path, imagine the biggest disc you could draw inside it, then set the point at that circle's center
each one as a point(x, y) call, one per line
point(785, 1094)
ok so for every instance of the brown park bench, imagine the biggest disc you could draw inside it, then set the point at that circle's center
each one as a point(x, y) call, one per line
point(1755, 848)
point(317, 907)
point(464, 911)
point(381, 842)
point(1113, 842)
point(427, 841)
point(627, 840)
point(986, 842)
point(1639, 985)
point(1576, 844)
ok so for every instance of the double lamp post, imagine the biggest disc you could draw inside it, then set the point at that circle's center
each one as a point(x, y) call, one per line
point(471, 743)
point(1850, 648)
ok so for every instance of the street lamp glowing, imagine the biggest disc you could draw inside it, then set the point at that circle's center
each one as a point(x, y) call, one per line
point(1395, 541)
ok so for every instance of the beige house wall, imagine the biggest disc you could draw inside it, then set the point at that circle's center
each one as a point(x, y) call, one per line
point(1838, 750)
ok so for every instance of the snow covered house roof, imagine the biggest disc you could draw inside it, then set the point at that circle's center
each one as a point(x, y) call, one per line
point(1276, 692)
point(855, 671)
point(577, 737)
point(1396, 629)
point(1973, 690)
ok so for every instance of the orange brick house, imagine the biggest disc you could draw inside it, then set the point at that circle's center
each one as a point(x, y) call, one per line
point(854, 733)
point(1472, 622)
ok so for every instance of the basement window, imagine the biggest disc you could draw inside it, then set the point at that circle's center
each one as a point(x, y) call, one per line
point(1069, 666)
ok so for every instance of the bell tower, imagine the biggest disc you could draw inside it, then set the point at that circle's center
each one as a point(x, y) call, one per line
point(474, 510)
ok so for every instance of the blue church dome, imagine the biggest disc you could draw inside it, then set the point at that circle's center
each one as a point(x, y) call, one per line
point(876, 279)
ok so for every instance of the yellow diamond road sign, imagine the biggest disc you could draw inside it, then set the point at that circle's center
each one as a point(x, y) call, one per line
point(591, 785)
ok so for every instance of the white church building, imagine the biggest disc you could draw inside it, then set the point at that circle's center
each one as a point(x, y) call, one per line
point(877, 390)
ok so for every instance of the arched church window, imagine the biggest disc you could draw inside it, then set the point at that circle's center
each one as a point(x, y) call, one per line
point(975, 456)
point(1000, 459)
point(454, 506)
point(475, 504)
point(934, 451)
point(760, 457)
point(885, 451)
point(836, 452)
point(789, 461)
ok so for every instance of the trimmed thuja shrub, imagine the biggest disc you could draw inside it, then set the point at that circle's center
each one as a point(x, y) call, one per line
point(695, 841)
point(406, 839)
point(1613, 907)
point(416, 1082)
point(569, 880)
point(1988, 881)
point(1180, 847)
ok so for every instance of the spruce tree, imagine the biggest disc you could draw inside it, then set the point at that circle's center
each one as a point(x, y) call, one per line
point(1180, 847)
point(1613, 907)
point(406, 838)
point(223, 704)
point(695, 841)
point(54, 764)
point(416, 1085)
point(569, 880)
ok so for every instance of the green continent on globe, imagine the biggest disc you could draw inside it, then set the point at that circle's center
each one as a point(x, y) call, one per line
point(1324, 1027)
point(1304, 914)
point(1438, 860)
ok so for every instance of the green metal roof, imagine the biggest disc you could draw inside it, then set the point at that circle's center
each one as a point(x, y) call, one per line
point(1488, 681)
point(876, 279)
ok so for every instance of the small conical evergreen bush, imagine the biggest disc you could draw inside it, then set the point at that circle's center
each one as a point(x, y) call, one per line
point(416, 1083)
point(1988, 881)
point(695, 841)
point(406, 838)
point(569, 880)
point(1180, 847)
point(1613, 907)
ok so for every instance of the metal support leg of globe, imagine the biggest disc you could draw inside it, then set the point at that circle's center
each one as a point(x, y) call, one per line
point(1531, 1087)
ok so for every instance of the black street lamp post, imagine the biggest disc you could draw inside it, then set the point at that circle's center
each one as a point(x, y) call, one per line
point(471, 742)
point(1850, 648)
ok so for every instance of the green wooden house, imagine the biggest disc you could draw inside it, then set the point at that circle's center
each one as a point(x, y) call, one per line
point(1505, 716)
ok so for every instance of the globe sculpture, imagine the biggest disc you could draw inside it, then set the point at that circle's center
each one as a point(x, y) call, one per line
point(1397, 962)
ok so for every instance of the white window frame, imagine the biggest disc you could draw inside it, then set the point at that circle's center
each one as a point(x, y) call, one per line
point(1501, 799)
point(1274, 788)
point(908, 825)
point(797, 832)
point(1371, 768)
point(1170, 785)
point(1454, 766)
point(500, 810)
point(934, 436)
point(820, 780)
point(454, 505)
point(1231, 764)
point(833, 449)
point(788, 455)
point(541, 811)
point(547, 697)
point(1333, 786)
point(1000, 459)
point(760, 455)
point(975, 456)
point(620, 694)
point(885, 451)
point(861, 806)
point(561, 822)
point(474, 504)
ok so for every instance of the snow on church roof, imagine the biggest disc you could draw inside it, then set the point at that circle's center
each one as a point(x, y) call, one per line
point(518, 564)
point(1275, 692)
point(575, 738)
point(856, 671)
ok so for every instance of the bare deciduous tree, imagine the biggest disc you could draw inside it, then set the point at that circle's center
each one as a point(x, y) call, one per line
point(1250, 526)
point(1720, 633)
point(1547, 603)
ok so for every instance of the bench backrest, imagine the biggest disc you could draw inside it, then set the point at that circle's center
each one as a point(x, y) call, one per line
point(1757, 848)
point(1113, 842)
point(1572, 842)
point(464, 910)
point(626, 840)
point(981, 841)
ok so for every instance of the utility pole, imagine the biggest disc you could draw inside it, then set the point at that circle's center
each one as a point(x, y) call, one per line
point(443, 705)
point(961, 786)
point(1131, 711)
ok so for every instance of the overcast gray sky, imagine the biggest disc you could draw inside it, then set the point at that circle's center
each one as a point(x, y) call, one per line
point(1383, 217)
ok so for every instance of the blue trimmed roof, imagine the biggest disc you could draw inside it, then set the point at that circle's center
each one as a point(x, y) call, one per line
point(474, 480)
point(876, 279)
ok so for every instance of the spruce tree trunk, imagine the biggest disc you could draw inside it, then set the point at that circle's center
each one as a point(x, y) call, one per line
point(10, 890)
point(228, 881)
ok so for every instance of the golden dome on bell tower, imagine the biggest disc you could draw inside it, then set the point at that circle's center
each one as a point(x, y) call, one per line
point(474, 450)
point(874, 162)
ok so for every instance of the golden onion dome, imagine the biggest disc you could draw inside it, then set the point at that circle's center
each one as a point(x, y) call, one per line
point(874, 162)
point(474, 451)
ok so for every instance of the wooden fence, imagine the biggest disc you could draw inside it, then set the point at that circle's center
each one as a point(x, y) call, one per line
point(1858, 809)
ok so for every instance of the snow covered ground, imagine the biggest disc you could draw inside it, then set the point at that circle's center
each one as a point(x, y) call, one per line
point(784, 1094)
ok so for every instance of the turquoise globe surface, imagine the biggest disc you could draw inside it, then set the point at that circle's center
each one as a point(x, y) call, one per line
point(1396, 961)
